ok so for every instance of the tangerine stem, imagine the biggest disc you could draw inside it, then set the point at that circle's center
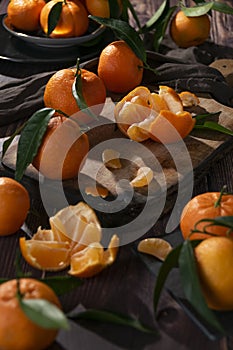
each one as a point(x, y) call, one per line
point(218, 202)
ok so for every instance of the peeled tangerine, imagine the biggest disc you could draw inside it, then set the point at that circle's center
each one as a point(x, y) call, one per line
point(73, 240)
point(141, 115)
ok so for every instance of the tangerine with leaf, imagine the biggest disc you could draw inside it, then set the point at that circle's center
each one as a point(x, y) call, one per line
point(58, 92)
point(17, 331)
point(187, 31)
point(208, 205)
point(72, 20)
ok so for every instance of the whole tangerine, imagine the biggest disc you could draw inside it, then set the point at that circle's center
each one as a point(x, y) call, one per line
point(25, 14)
point(17, 331)
point(73, 19)
point(62, 150)
point(189, 31)
point(58, 92)
point(119, 67)
point(101, 8)
point(208, 205)
point(15, 204)
point(214, 258)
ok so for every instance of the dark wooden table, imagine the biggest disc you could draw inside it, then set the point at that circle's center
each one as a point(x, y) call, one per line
point(127, 286)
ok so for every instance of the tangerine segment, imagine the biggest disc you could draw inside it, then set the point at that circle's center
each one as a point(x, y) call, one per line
point(77, 222)
point(111, 159)
point(133, 108)
point(97, 191)
point(157, 247)
point(93, 259)
point(87, 262)
point(169, 127)
point(110, 254)
point(143, 178)
point(48, 235)
point(45, 255)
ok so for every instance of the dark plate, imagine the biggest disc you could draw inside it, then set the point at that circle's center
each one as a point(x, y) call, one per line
point(14, 49)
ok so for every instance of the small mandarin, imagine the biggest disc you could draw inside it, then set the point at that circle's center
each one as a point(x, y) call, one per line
point(208, 205)
point(61, 160)
point(101, 8)
point(15, 204)
point(214, 258)
point(58, 93)
point(119, 67)
point(17, 331)
point(73, 19)
point(189, 31)
point(25, 14)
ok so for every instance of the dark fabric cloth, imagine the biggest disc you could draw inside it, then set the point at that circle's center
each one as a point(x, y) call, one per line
point(182, 69)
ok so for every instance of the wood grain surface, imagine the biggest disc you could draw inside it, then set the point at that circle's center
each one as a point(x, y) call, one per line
point(127, 287)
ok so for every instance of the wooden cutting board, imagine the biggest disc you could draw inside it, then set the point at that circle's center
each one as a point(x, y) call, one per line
point(171, 164)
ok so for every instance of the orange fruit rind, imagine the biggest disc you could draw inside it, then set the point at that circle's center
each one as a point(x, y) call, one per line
point(73, 240)
point(157, 247)
point(141, 114)
point(45, 255)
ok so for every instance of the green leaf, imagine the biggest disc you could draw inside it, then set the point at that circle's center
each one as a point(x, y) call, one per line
point(222, 7)
point(151, 23)
point(78, 95)
point(110, 317)
point(210, 125)
point(161, 28)
point(62, 284)
point(30, 139)
point(169, 263)
point(124, 32)
point(8, 142)
point(128, 6)
point(54, 16)
point(44, 313)
point(200, 117)
point(192, 288)
point(198, 10)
